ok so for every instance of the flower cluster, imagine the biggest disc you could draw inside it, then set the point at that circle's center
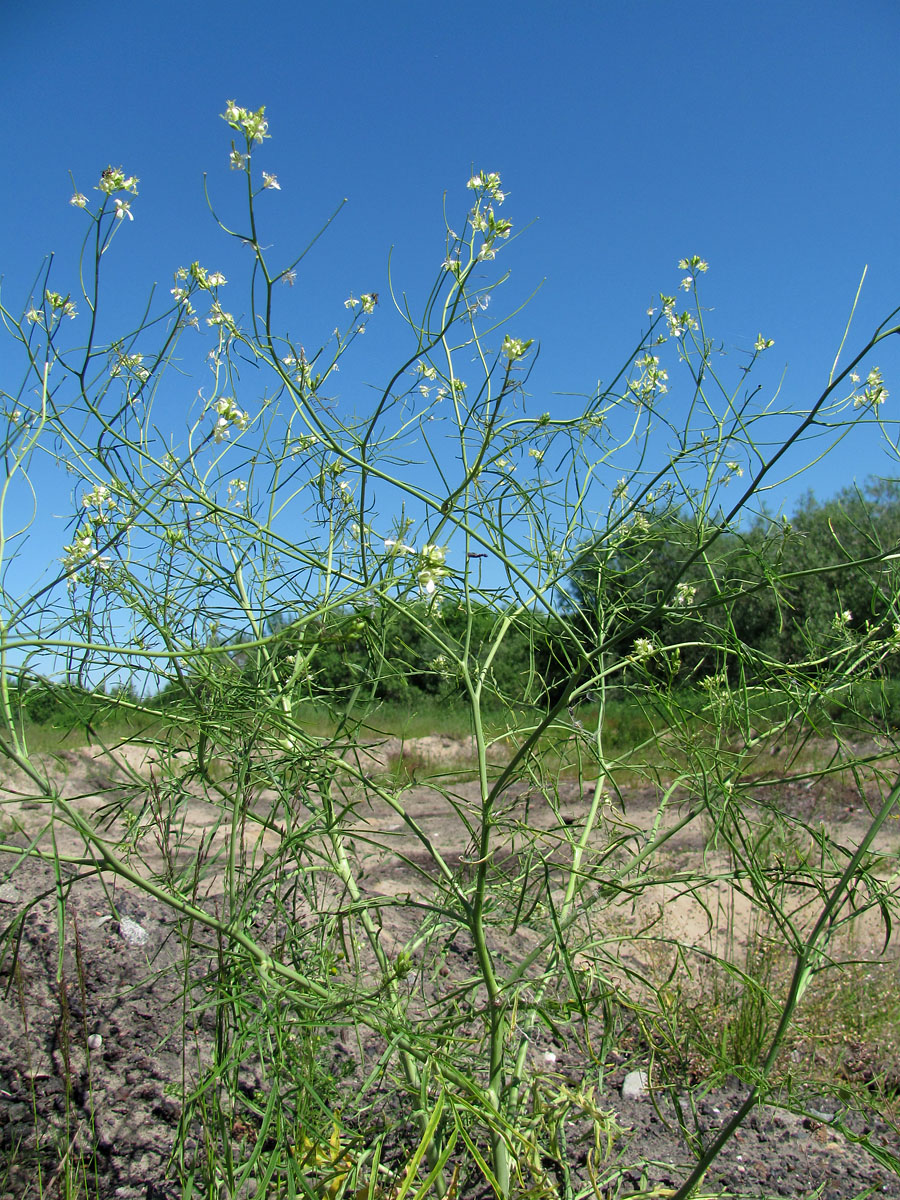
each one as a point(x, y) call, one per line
point(96, 498)
point(514, 348)
point(841, 620)
point(643, 649)
point(488, 184)
point(303, 443)
point(218, 316)
point(299, 368)
point(236, 488)
point(79, 551)
point(344, 493)
point(443, 666)
point(684, 595)
point(131, 364)
point(205, 280)
point(735, 470)
point(696, 266)
point(875, 392)
point(651, 381)
point(114, 180)
point(84, 545)
point(61, 304)
point(252, 125)
point(482, 217)
point(678, 323)
point(228, 415)
point(431, 568)
point(368, 300)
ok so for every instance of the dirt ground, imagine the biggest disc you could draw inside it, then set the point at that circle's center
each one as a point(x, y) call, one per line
point(92, 1061)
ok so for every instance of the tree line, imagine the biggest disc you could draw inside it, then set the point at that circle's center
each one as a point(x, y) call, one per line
point(685, 599)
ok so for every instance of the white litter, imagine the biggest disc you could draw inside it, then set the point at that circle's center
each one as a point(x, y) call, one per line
point(134, 934)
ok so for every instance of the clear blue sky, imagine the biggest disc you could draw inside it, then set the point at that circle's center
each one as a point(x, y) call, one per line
point(760, 136)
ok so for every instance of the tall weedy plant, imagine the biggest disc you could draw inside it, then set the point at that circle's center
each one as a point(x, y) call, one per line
point(210, 565)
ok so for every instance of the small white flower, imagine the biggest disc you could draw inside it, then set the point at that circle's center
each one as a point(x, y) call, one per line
point(216, 279)
point(351, 302)
point(123, 209)
point(643, 648)
point(271, 181)
point(237, 161)
point(79, 201)
point(34, 317)
point(762, 343)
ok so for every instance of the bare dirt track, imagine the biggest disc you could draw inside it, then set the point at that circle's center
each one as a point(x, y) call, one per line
point(93, 1054)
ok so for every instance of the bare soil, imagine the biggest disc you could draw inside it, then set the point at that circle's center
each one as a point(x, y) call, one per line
point(92, 1056)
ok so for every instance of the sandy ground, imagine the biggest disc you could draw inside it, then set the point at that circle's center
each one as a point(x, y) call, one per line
point(89, 1052)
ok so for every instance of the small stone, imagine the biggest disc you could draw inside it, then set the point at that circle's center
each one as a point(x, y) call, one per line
point(9, 894)
point(635, 1085)
point(134, 934)
point(95, 1041)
